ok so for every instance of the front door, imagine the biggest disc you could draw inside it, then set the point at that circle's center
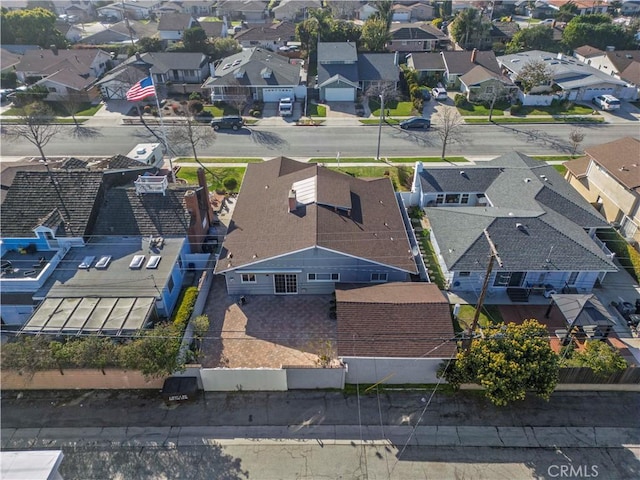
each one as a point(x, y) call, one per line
point(516, 279)
point(285, 284)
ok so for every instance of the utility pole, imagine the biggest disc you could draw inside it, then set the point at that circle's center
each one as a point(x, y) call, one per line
point(493, 257)
point(381, 96)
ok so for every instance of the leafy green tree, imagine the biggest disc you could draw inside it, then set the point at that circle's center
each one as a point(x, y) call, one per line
point(385, 11)
point(539, 37)
point(597, 31)
point(154, 352)
point(446, 8)
point(469, 28)
point(35, 26)
point(223, 47)
point(600, 357)
point(566, 12)
point(533, 74)
point(148, 44)
point(195, 40)
point(375, 35)
point(509, 361)
point(27, 355)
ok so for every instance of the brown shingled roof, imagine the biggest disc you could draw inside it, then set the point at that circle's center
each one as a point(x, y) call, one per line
point(394, 320)
point(367, 222)
point(621, 158)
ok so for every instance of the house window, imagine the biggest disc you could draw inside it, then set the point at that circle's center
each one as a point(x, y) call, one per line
point(379, 277)
point(248, 278)
point(52, 89)
point(502, 279)
point(180, 262)
point(323, 277)
point(464, 274)
point(170, 284)
point(440, 198)
point(452, 198)
point(572, 278)
point(465, 198)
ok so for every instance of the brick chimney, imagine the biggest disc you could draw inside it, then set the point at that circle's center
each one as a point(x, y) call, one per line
point(202, 181)
point(474, 54)
point(196, 234)
point(293, 203)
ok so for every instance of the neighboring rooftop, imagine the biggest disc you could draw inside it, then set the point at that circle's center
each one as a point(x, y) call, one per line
point(621, 159)
point(394, 320)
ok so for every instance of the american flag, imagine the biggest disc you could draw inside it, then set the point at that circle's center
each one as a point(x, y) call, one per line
point(143, 89)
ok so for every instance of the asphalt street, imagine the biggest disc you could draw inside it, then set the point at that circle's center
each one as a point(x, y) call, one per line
point(327, 141)
point(328, 435)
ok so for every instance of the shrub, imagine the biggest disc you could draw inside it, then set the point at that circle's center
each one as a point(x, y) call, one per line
point(195, 96)
point(516, 107)
point(147, 109)
point(460, 100)
point(437, 22)
point(195, 106)
point(256, 113)
point(187, 302)
point(230, 183)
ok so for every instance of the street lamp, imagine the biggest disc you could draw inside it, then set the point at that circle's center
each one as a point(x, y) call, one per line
point(381, 96)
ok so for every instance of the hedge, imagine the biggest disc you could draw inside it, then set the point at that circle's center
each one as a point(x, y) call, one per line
point(187, 302)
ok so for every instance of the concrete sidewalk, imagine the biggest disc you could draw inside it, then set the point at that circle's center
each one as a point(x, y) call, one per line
point(423, 436)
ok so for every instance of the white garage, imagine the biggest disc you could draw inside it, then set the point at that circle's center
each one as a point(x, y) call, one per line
point(340, 94)
point(275, 94)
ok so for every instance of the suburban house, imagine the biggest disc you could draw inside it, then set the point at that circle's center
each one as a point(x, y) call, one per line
point(73, 33)
point(214, 29)
point(176, 72)
point(270, 36)
point(196, 8)
point(342, 71)
point(171, 27)
point(608, 177)
point(543, 229)
point(300, 229)
point(256, 73)
point(572, 79)
point(584, 7)
point(365, 10)
point(503, 32)
point(138, 10)
point(475, 73)
point(412, 12)
point(398, 331)
point(622, 64)
point(536, 9)
point(294, 9)
point(416, 37)
point(251, 11)
point(8, 60)
point(64, 73)
point(630, 7)
point(126, 31)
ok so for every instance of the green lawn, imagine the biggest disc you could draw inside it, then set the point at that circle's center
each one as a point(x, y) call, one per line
point(561, 169)
point(392, 107)
point(215, 176)
point(221, 110)
point(219, 160)
point(86, 110)
point(400, 176)
point(480, 110)
point(550, 158)
point(536, 120)
point(490, 315)
point(315, 110)
point(556, 109)
point(89, 110)
point(431, 260)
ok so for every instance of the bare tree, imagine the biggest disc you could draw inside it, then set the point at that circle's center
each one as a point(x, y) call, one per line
point(575, 138)
point(498, 91)
point(72, 104)
point(35, 124)
point(380, 91)
point(535, 73)
point(237, 95)
point(189, 136)
point(448, 127)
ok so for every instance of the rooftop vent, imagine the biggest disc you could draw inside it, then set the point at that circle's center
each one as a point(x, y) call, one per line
point(521, 227)
point(527, 180)
point(151, 184)
point(461, 172)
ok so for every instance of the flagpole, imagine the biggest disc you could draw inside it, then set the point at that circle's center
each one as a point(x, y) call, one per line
point(162, 129)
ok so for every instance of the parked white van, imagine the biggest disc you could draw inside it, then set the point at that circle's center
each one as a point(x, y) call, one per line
point(285, 107)
point(606, 102)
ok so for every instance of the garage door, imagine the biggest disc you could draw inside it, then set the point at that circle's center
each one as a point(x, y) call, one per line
point(590, 93)
point(275, 94)
point(339, 94)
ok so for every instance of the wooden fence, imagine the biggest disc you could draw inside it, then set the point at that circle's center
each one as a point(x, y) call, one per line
point(584, 375)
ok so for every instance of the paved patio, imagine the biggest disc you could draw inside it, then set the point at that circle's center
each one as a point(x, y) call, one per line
point(269, 331)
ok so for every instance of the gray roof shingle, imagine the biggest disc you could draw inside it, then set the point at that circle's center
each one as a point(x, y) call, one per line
point(378, 67)
point(33, 196)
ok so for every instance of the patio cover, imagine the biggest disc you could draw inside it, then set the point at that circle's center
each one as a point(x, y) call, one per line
point(91, 315)
point(581, 310)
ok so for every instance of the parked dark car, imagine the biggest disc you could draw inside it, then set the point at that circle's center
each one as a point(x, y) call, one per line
point(232, 122)
point(415, 122)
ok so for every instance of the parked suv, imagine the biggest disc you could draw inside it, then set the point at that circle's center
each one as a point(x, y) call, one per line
point(439, 93)
point(232, 122)
point(606, 102)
